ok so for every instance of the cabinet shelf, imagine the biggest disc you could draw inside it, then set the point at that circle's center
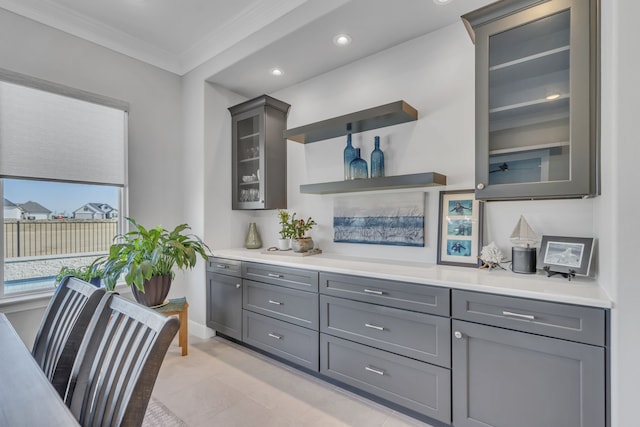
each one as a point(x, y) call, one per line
point(250, 136)
point(529, 148)
point(373, 118)
point(428, 179)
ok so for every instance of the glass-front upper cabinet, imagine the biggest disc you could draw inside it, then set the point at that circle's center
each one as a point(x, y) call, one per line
point(536, 98)
point(259, 151)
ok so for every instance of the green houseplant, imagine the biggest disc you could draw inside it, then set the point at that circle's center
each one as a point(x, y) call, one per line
point(300, 242)
point(91, 273)
point(146, 257)
point(284, 242)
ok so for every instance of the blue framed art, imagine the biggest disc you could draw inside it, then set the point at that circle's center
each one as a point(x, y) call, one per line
point(392, 219)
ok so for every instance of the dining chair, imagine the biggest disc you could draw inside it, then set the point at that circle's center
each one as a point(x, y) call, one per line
point(118, 363)
point(63, 327)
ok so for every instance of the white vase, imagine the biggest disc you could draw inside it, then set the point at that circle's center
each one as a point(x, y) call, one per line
point(284, 244)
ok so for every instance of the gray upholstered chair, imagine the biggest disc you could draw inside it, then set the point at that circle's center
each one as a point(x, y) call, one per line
point(118, 363)
point(63, 327)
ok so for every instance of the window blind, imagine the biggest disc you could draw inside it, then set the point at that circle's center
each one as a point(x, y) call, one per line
point(45, 135)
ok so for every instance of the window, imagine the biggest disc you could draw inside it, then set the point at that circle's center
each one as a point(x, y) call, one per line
point(62, 179)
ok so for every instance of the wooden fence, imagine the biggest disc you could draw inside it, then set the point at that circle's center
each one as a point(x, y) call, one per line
point(25, 238)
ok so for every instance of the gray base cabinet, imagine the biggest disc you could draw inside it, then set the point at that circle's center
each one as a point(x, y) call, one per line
point(280, 312)
point(460, 358)
point(527, 363)
point(224, 297)
point(419, 386)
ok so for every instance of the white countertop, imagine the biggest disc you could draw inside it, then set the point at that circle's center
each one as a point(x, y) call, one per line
point(580, 290)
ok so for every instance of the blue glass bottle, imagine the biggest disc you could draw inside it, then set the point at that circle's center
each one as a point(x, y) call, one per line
point(377, 160)
point(349, 155)
point(359, 167)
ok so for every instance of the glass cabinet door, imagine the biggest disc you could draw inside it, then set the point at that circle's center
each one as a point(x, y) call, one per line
point(534, 131)
point(247, 188)
point(259, 154)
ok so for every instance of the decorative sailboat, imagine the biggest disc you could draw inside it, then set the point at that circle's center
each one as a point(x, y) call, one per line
point(523, 256)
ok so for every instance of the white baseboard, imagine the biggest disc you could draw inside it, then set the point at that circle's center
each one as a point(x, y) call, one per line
point(199, 330)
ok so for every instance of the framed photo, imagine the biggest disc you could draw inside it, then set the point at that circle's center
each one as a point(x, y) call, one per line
point(566, 255)
point(459, 228)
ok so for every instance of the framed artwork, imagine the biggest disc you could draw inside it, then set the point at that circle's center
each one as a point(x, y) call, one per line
point(395, 219)
point(459, 228)
point(568, 256)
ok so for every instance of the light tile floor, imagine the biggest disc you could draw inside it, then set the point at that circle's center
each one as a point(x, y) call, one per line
point(223, 384)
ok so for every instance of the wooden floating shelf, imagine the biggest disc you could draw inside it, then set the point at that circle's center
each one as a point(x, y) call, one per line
point(428, 179)
point(372, 118)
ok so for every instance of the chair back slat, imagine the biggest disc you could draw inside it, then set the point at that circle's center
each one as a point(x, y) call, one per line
point(118, 363)
point(63, 327)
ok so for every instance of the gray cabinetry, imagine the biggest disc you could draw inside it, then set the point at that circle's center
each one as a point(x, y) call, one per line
point(280, 312)
point(421, 336)
point(534, 380)
point(285, 340)
point(409, 296)
point(388, 338)
point(259, 154)
point(536, 98)
point(419, 386)
point(224, 297)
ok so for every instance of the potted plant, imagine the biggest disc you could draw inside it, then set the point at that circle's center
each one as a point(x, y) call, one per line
point(284, 242)
point(300, 242)
point(91, 273)
point(147, 257)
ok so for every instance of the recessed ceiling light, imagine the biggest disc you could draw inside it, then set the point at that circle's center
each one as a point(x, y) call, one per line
point(342, 40)
point(277, 72)
point(442, 2)
point(553, 96)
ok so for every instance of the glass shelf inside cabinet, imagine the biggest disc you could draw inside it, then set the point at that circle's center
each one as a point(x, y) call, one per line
point(248, 159)
point(529, 102)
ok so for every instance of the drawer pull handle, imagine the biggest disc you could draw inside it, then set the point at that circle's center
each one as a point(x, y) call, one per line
point(379, 328)
point(274, 302)
point(370, 291)
point(237, 285)
point(277, 276)
point(518, 315)
point(375, 371)
point(222, 266)
point(278, 337)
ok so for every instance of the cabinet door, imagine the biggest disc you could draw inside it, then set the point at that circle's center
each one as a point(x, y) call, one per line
point(259, 154)
point(224, 304)
point(535, 102)
point(503, 378)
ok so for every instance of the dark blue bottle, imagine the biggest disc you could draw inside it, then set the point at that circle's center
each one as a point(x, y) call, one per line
point(349, 155)
point(377, 160)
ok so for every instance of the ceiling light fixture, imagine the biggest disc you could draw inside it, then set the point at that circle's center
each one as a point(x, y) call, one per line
point(553, 96)
point(442, 2)
point(342, 40)
point(277, 72)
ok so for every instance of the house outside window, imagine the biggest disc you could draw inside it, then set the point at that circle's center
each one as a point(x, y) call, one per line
point(64, 153)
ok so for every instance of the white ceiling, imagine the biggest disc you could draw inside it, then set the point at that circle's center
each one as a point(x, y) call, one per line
point(245, 39)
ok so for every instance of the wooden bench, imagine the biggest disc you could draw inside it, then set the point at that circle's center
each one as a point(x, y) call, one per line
point(179, 307)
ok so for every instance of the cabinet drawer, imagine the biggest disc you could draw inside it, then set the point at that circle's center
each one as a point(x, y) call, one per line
point(290, 305)
point(230, 267)
point(293, 343)
point(408, 296)
point(416, 385)
point(570, 322)
point(284, 276)
point(420, 336)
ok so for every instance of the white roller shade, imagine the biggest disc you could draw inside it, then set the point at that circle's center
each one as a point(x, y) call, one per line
point(48, 136)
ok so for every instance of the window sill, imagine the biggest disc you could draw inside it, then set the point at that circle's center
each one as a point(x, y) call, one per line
point(32, 301)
